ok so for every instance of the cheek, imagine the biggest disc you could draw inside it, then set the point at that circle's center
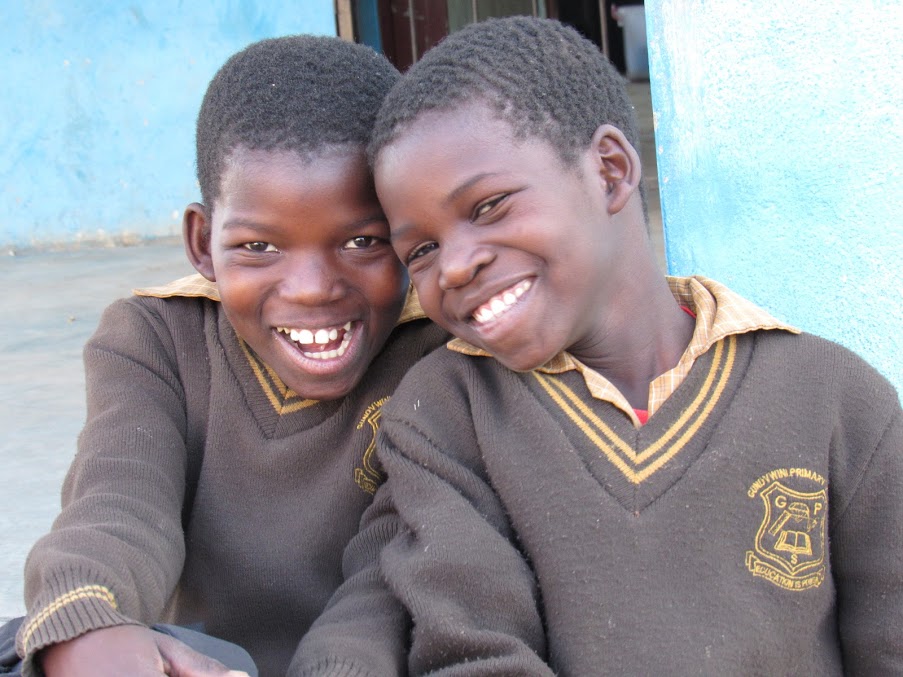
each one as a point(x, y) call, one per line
point(430, 297)
point(384, 285)
point(240, 294)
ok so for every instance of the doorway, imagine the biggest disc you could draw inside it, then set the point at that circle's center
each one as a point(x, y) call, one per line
point(404, 29)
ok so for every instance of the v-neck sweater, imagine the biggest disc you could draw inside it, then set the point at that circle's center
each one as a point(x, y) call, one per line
point(752, 526)
point(252, 551)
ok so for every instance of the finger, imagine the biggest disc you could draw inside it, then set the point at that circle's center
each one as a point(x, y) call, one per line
point(180, 660)
point(105, 652)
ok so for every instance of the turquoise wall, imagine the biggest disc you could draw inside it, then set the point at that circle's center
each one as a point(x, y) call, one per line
point(99, 104)
point(779, 145)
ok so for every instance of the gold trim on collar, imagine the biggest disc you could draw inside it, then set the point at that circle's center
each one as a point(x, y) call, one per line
point(621, 454)
point(284, 399)
point(720, 313)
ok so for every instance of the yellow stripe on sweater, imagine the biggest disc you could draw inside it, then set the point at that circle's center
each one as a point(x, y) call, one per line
point(283, 398)
point(85, 592)
point(583, 416)
point(587, 430)
point(627, 449)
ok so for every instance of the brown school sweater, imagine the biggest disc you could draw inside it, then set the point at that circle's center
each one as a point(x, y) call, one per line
point(281, 483)
point(754, 526)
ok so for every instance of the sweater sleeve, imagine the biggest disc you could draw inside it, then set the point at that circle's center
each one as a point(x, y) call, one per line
point(363, 631)
point(867, 560)
point(115, 553)
point(435, 581)
point(456, 566)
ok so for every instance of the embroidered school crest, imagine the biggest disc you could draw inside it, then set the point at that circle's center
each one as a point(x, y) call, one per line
point(367, 476)
point(790, 543)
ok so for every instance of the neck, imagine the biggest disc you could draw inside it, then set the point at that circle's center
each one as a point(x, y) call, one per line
point(645, 334)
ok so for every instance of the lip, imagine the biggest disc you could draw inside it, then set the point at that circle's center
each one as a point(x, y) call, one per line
point(318, 339)
point(494, 305)
point(341, 351)
point(500, 304)
point(492, 334)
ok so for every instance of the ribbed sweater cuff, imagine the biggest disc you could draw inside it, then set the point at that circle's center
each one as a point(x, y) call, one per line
point(334, 667)
point(72, 608)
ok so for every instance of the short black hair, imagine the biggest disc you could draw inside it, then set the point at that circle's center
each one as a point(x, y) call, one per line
point(301, 93)
point(541, 76)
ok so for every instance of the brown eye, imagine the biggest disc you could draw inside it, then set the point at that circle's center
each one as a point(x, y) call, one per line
point(361, 242)
point(422, 250)
point(486, 207)
point(259, 247)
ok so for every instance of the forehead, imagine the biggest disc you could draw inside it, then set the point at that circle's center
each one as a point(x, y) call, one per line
point(469, 138)
point(243, 166)
point(462, 120)
point(281, 186)
point(261, 175)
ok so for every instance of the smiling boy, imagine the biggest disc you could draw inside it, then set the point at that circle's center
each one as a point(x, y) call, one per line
point(226, 457)
point(314, 304)
point(610, 472)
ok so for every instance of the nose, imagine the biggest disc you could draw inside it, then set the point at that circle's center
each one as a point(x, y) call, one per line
point(312, 279)
point(461, 259)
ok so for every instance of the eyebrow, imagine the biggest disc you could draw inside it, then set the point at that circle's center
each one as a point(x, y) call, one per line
point(464, 186)
point(244, 223)
point(454, 194)
point(376, 217)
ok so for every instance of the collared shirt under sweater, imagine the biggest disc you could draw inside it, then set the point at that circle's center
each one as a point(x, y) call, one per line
point(752, 526)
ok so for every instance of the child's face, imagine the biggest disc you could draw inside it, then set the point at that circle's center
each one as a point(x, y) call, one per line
point(509, 249)
point(300, 253)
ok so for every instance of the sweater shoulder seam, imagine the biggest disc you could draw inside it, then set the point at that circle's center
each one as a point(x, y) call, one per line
point(873, 453)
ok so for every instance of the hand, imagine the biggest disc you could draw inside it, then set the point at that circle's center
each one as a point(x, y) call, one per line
point(132, 650)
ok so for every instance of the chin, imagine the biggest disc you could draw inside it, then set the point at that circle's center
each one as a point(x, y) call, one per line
point(323, 395)
point(521, 364)
point(333, 389)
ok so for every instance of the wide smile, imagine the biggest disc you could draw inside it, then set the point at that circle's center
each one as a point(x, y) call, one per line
point(501, 303)
point(320, 343)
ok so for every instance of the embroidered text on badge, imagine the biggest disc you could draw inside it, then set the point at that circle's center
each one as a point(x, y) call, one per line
point(367, 476)
point(790, 544)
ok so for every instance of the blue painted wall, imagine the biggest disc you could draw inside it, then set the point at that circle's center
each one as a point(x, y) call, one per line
point(779, 139)
point(99, 104)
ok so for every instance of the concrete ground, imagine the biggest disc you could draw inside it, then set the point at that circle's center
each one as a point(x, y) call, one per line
point(52, 304)
point(51, 307)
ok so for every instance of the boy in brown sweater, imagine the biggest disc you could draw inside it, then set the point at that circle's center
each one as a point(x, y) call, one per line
point(610, 471)
point(227, 453)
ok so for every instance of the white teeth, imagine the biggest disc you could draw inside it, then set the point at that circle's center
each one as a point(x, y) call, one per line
point(331, 354)
point(498, 305)
point(302, 336)
point(321, 337)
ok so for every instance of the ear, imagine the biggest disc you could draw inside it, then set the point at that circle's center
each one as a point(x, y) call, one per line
point(618, 165)
point(196, 236)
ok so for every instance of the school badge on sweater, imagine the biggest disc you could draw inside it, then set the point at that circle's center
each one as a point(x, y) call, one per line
point(789, 549)
point(368, 477)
